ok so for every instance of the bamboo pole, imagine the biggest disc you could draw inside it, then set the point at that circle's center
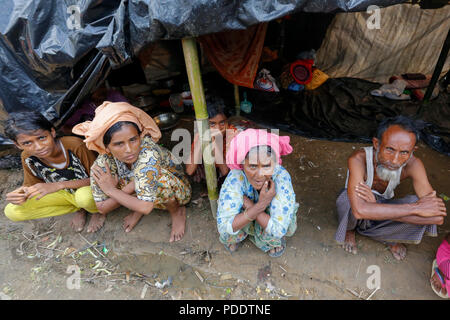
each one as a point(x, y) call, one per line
point(201, 115)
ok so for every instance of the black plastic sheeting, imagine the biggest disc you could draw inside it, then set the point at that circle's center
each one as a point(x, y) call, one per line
point(342, 109)
point(52, 52)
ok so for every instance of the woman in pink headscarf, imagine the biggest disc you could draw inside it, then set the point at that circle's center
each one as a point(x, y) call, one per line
point(257, 198)
point(440, 274)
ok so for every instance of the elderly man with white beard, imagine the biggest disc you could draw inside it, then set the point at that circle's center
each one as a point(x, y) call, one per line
point(366, 205)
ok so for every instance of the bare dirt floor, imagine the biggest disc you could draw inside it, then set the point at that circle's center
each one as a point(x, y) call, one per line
point(37, 258)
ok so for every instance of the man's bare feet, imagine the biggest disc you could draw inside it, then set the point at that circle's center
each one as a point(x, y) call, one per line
point(350, 242)
point(398, 251)
point(436, 283)
point(78, 220)
point(97, 221)
point(131, 220)
point(178, 224)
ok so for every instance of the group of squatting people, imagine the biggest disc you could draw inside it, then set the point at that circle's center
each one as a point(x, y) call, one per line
point(257, 200)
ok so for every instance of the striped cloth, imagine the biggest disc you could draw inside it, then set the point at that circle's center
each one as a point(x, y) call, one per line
point(387, 231)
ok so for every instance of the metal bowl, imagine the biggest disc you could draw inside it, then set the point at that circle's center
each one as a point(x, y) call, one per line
point(166, 121)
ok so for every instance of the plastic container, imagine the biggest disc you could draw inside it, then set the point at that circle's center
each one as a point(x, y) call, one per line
point(187, 98)
point(246, 106)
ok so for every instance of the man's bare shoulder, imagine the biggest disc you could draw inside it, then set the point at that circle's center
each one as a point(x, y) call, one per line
point(357, 157)
point(414, 165)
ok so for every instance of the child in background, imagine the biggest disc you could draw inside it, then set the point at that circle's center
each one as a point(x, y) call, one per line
point(218, 123)
point(56, 172)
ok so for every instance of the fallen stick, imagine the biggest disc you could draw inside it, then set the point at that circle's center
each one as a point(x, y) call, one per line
point(44, 234)
point(368, 298)
point(54, 249)
point(93, 246)
point(353, 292)
point(80, 250)
point(358, 268)
point(103, 276)
point(199, 276)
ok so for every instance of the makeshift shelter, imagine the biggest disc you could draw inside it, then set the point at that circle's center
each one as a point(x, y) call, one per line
point(53, 54)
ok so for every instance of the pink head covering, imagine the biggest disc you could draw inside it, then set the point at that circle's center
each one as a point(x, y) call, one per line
point(443, 262)
point(109, 113)
point(245, 140)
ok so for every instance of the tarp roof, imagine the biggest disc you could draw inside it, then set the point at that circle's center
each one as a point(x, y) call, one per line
point(42, 40)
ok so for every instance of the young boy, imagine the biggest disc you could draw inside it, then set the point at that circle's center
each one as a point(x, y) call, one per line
point(218, 123)
point(56, 172)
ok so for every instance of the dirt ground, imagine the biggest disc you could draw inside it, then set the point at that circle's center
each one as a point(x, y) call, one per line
point(35, 256)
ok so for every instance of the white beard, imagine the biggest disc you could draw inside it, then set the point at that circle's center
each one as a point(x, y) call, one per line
point(385, 174)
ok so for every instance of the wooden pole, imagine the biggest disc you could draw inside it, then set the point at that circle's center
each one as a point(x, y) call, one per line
point(236, 100)
point(201, 115)
point(437, 71)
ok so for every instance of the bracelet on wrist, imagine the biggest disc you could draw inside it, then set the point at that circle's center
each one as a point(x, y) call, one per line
point(247, 217)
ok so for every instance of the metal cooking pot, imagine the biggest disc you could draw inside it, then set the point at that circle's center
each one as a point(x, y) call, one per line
point(166, 121)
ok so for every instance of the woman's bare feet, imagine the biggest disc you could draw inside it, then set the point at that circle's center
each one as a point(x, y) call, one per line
point(398, 251)
point(78, 220)
point(96, 223)
point(178, 224)
point(131, 220)
point(232, 247)
point(276, 249)
point(350, 242)
point(436, 283)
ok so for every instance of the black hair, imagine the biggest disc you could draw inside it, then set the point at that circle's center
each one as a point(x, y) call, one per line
point(257, 149)
point(214, 105)
point(117, 127)
point(406, 123)
point(25, 122)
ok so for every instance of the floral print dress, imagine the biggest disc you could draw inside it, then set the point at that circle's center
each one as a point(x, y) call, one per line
point(282, 210)
point(157, 176)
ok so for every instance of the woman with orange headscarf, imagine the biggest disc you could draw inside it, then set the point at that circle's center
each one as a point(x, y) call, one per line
point(132, 170)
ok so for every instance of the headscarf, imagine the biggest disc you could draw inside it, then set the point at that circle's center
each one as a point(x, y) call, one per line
point(109, 113)
point(247, 139)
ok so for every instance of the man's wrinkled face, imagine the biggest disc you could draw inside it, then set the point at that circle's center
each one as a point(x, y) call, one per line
point(125, 144)
point(393, 151)
point(258, 168)
point(39, 143)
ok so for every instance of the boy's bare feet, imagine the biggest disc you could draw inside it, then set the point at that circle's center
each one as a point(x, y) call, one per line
point(131, 220)
point(78, 220)
point(350, 242)
point(97, 221)
point(398, 251)
point(178, 224)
